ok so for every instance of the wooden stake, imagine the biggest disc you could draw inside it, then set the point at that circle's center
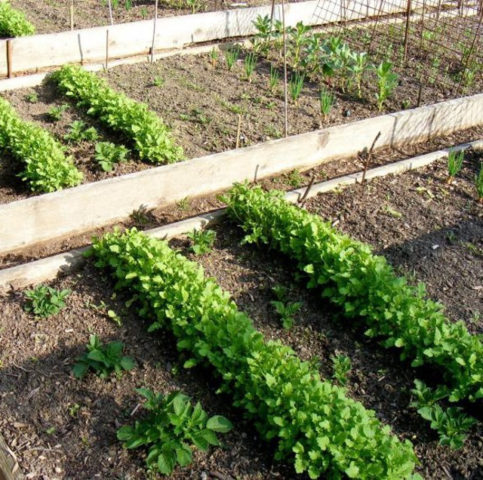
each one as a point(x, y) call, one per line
point(238, 132)
point(154, 29)
point(9, 58)
point(72, 15)
point(110, 12)
point(406, 33)
point(80, 49)
point(107, 48)
point(285, 87)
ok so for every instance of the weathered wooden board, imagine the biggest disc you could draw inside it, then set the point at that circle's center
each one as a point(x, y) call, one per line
point(46, 269)
point(54, 215)
point(38, 52)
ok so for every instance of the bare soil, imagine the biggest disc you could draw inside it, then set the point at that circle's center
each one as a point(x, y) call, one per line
point(40, 396)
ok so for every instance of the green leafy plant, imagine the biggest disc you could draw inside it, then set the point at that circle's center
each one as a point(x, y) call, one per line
point(149, 135)
point(202, 241)
point(158, 81)
point(286, 310)
point(250, 62)
point(455, 163)
point(294, 178)
point(297, 40)
point(79, 132)
point(56, 112)
point(452, 424)
point(357, 68)
point(108, 154)
point(102, 359)
point(366, 287)
point(170, 429)
point(264, 33)
point(386, 83)
point(326, 100)
point(231, 56)
point(341, 367)
point(311, 421)
point(46, 168)
point(44, 301)
point(295, 86)
point(13, 22)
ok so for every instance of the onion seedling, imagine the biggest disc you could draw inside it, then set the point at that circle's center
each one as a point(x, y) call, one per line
point(231, 56)
point(214, 54)
point(274, 78)
point(455, 162)
point(295, 86)
point(327, 101)
point(479, 184)
point(250, 63)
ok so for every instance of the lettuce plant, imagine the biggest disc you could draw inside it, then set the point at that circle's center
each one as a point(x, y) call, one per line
point(13, 22)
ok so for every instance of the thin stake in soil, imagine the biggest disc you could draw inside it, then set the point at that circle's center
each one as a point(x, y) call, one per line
point(110, 12)
point(154, 29)
point(81, 53)
point(406, 32)
point(107, 48)
point(238, 131)
point(9, 58)
point(285, 82)
point(303, 198)
point(366, 156)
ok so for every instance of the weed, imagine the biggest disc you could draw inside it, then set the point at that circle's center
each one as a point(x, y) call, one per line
point(32, 97)
point(140, 216)
point(78, 133)
point(103, 359)
point(286, 310)
point(341, 367)
point(184, 204)
point(158, 81)
point(195, 5)
point(170, 429)
point(114, 317)
point(55, 113)
point(233, 108)
point(74, 410)
point(295, 86)
point(326, 100)
point(250, 63)
point(202, 241)
point(44, 301)
point(108, 154)
point(231, 56)
point(387, 209)
point(294, 178)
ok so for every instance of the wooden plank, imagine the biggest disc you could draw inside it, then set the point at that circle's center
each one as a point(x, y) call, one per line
point(54, 215)
point(38, 52)
point(38, 271)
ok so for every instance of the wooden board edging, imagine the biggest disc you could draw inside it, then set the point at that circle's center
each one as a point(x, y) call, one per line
point(46, 269)
point(54, 215)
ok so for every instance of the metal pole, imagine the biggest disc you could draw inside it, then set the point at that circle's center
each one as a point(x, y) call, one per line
point(285, 87)
point(110, 12)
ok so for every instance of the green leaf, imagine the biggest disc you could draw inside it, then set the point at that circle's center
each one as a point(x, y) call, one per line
point(184, 456)
point(166, 462)
point(219, 424)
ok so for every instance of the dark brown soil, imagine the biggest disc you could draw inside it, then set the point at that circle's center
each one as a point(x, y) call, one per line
point(38, 392)
point(189, 207)
point(54, 16)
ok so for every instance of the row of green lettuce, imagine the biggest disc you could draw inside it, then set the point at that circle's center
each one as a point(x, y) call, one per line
point(366, 287)
point(13, 22)
point(313, 422)
point(46, 168)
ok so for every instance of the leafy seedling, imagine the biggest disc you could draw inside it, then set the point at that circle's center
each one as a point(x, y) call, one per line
point(55, 113)
point(32, 97)
point(171, 429)
point(455, 163)
point(108, 154)
point(386, 83)
point(44, 301)
point(78, 133)
point(341, 367)
point(102, 359)
point(202, 241)
point(286, 310)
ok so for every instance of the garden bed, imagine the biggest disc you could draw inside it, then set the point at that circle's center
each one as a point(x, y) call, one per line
point(403, 217)
point(190, 206)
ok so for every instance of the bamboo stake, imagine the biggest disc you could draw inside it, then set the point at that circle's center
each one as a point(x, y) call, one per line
point(80, 49)
point(406, 32)
point(9, 58)
point(110, 12)
point(238, 132)
point(154, 29)
point(107, 48)
point(72, 15)
point(285, 89)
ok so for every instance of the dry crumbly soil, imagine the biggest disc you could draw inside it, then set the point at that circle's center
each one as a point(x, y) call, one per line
point(188, 207)
point(403, 217)
point(54, 15)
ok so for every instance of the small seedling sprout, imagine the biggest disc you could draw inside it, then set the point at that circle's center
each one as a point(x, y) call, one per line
point(455, 163)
